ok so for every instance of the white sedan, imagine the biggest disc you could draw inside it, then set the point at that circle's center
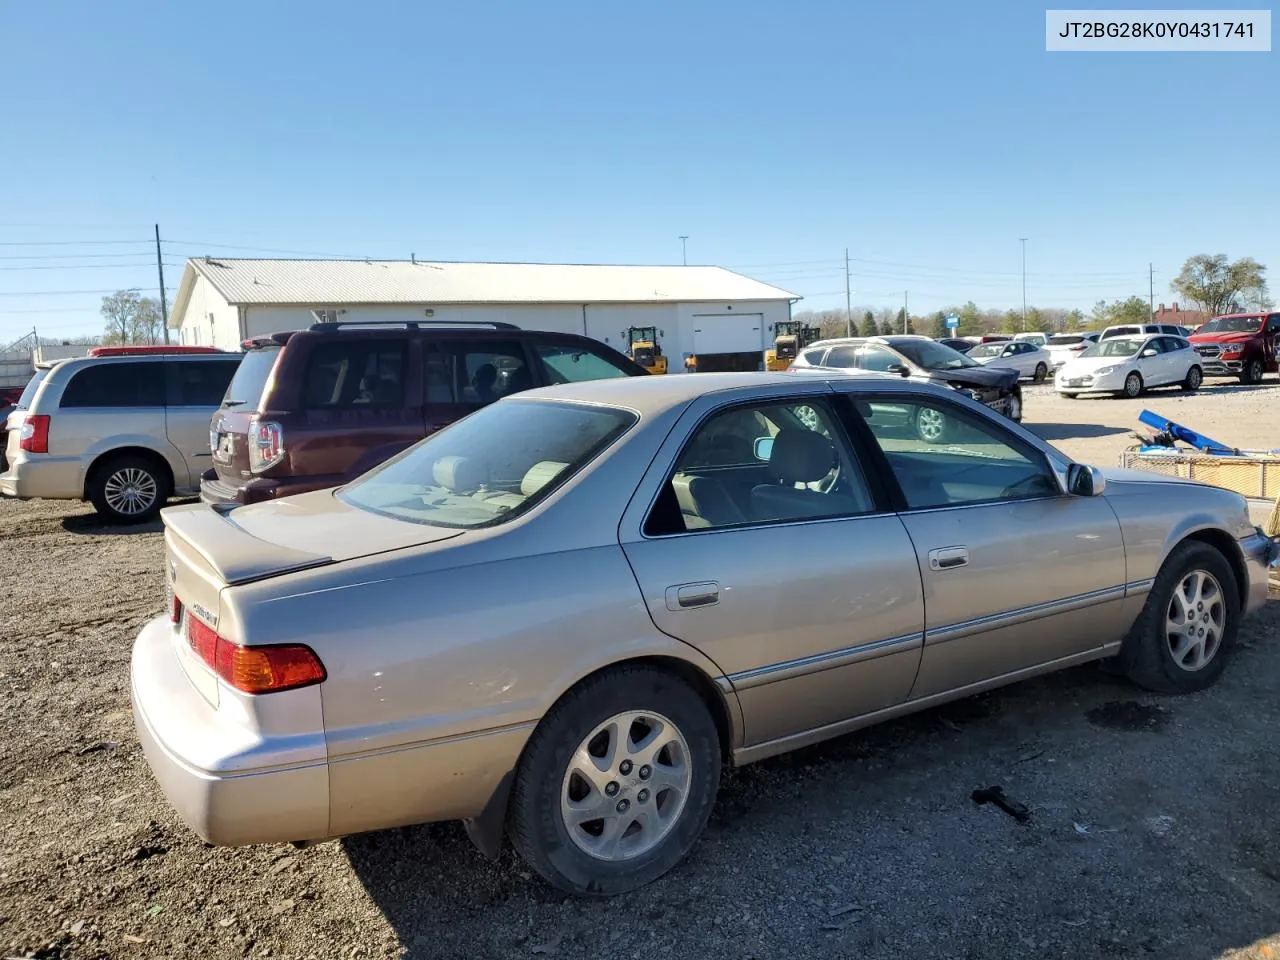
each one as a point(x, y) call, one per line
point(1021, 355)
point(1129, 365)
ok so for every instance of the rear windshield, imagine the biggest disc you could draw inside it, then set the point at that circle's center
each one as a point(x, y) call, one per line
point(29, 391)
point(1065, 340)
point(250, 381)
point(1121, 332)
point(490, 466)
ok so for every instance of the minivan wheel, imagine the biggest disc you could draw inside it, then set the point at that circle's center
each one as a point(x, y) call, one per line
point(1182, 637)
point(616, 783)
point(128, 489)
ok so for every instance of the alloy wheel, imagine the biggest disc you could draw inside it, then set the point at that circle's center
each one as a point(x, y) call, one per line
point(1132, 385)
point(1196, 620)
point(626, 786)
point(130, 491)
point(930, 424)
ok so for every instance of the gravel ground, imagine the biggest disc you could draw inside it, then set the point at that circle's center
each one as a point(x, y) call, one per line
point(1153, 828)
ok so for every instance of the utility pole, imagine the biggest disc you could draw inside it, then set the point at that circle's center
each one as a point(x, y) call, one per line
point(848, 308)
point(906, 314)
point(164, 307)
point(684, 250)
point(1024, 283)
point(1151, 280)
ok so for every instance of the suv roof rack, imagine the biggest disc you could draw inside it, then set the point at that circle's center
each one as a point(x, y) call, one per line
point(413, 324)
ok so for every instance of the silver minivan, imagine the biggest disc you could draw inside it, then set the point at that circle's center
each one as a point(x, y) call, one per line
point(123, 432)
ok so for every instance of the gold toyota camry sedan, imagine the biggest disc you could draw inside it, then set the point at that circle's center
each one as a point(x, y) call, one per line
point(557, 619)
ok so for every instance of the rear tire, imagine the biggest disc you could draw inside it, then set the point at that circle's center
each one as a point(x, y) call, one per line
point(1194, 378)
point(932, 426)
point(1183, 636)
point(129, 489)
point(653, 783)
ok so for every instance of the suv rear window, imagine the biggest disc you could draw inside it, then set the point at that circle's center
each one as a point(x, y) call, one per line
point(116, 385)
point(355, 373)
point(250, 379)
point(29, 391)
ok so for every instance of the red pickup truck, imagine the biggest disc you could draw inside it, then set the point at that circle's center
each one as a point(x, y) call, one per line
point(1244, 345)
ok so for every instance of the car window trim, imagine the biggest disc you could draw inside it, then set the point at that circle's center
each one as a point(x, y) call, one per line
point(832, 400)
point(896, 495)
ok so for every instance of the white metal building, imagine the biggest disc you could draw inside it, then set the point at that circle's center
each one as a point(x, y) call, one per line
point(221, 302)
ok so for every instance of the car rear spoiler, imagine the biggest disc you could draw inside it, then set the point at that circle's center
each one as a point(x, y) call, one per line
point(236, 556)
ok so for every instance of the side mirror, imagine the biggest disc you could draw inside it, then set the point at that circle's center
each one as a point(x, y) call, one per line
point(1149, 352)
point(899, 369)
point(1085, 481)
point(764, 448)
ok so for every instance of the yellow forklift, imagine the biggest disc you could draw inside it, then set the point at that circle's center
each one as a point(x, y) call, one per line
point(789, 338)
point(644, 349)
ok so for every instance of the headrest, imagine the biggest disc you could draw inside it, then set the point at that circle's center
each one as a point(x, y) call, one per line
point(539, 475)
point(458, 474)
point(801, 456)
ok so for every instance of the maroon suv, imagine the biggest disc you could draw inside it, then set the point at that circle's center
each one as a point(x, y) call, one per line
point(315, 408)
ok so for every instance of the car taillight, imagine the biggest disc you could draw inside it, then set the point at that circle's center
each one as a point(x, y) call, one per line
point(266, 445)
point(34, 434)
point(175, 607)
point(266, 669)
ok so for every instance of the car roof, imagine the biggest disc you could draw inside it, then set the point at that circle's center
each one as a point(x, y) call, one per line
point(654, 394)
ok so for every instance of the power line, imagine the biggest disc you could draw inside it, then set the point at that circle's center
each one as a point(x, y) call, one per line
point(229, 246)
point(74, 256)
point(65, 293)
point(82, 266)
point(64, 243)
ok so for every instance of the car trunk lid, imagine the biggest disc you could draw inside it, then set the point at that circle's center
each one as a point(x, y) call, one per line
point(269, 539)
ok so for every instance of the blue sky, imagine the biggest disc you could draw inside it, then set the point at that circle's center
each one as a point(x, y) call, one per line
point(926, 138)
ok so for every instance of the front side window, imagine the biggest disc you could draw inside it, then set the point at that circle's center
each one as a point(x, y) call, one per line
point(355, 374)
point(490, 466)
point(945, 456)
point(116, 385)
point(570, 363)
point(762, 463)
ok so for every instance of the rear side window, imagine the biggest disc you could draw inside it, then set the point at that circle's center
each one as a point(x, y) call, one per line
point(199, 383)
point(250, 379)
point(354, 374)
point(477, 372)
point(570, 363)
point(116, 385)
point(814, 357)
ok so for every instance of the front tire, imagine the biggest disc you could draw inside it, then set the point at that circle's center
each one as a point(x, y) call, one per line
point(1253, 371)
point(1133, 386)
point(1184, 634)
point(616, 784)
point(129, 489)
point(1193, 380)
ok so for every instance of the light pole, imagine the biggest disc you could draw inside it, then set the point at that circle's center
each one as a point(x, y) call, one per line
point(1023, 240)
point(684, 250)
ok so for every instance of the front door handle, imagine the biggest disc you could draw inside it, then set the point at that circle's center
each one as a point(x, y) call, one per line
point(946, 558)
point(685, 596)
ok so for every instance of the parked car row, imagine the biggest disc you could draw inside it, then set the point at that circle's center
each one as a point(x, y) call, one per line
point(126, 428)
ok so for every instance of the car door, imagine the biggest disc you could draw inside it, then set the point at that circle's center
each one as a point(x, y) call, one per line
point(1153, 368)
point(1016, 572)
point(193, 391)
point(1181, 358)
point(755, 538)
point(1272, 338)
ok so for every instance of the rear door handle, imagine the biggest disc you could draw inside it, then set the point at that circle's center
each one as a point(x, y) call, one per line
point(945, 558)
point(685, 596)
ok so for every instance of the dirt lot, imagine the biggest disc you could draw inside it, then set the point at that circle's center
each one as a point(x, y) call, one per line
point(1153, 828)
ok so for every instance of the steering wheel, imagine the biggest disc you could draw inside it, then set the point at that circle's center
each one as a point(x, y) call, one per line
point(1026, 487)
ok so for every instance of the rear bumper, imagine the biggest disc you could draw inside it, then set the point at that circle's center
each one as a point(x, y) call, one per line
point(259, 489)
point(230, 784)
point(38, 475)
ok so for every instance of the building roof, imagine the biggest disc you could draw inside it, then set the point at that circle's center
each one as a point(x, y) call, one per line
point(325, 283)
